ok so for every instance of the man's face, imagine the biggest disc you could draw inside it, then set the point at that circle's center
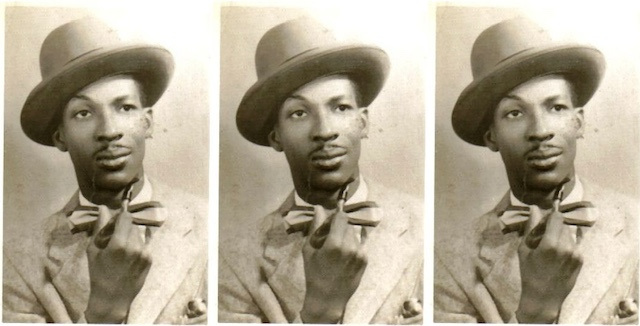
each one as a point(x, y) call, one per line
point(319, 128)
point(535, 128)
point(104, 127)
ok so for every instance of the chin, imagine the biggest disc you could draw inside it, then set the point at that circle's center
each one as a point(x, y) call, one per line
point(546, 181)
point(328, 181)
point(113, 180)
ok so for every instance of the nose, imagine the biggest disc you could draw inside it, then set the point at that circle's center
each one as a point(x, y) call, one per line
point(324, 128)
point(108, 128)
point(540, 128)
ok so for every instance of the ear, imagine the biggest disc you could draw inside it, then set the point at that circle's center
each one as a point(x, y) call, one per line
point(148, 118)
point(274, 140)
point(364, 120)
point(490, 141)
point(580, 122)
point(59, 141)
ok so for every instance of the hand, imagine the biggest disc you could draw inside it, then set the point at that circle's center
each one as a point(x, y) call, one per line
point(332, 272)
point(548, 273)
point(117, 272)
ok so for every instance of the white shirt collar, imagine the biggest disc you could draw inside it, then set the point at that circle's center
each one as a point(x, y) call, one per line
point(361, 195)
point(143, 196)
point(575, 195)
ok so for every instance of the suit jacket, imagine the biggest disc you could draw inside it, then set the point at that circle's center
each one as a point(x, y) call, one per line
point(46, 275)
point(261, 271)
point(477, 275)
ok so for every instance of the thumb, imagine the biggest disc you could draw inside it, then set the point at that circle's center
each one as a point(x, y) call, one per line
point(535, 216)
point(319, 216)
point(104, 215)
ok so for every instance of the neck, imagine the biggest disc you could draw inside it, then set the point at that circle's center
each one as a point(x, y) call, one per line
point(542, 198)
point(111, 198)
point(326, 198)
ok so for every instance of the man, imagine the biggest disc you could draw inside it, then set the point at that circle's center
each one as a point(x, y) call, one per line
point(124, 248)
point(556, 248)
point(340, 248)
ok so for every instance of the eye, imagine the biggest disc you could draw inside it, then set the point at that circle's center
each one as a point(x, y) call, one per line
point(297, 114)
point(344, 107)
point(559, 107)
point(128, 107)
point(513, 114)
point(82, 114)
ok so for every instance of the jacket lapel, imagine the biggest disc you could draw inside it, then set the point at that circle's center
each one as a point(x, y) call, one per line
point(66, 264)
point(389, 249)
point(498, 263)
point(283, 266)
point(604, 251)
point(174, 248)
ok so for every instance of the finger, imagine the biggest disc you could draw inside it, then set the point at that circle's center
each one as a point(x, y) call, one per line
point(104, 216)
point(123, 229)
point(523, 249)
point(320, 228)
point(339, 226)
point(319, 217)
point(565, 238)
point(535, 217)
point(555, 224)
point(105, 231)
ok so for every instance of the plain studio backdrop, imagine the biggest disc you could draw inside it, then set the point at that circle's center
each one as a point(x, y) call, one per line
point(470, 180)
point(254, 180)
point(39, 180)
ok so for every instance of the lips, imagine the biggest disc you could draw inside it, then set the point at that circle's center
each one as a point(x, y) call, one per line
point(543, 159)
point(112, 158)
point(328, 158)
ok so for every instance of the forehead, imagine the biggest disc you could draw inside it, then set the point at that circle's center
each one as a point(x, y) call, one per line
point(324, 89)
point(540, 89)
point(108, 89)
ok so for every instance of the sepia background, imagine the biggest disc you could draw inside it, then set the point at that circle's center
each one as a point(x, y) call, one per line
point(39, 180)
point(470, 180)
point(254, 180)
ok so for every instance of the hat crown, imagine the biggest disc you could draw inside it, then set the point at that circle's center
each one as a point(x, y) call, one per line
point(73, 40)
point(288, 40)
point(504, 40)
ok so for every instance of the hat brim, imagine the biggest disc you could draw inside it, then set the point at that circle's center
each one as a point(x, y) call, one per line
point(367, 66)
point(582, 66)
point(151, 66)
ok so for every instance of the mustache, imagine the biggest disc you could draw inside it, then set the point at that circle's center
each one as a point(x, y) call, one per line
point(109, 151)
point(327, 151)
point(542, 151)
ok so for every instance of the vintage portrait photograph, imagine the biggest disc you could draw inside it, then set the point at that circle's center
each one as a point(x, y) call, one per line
point(106, 158)
point(321, 209)
point(536, 165)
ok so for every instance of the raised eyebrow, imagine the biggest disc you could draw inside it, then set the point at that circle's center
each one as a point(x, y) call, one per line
point(297, 97)
point(82, 97)
point(552, 100)
point(336, 99)
point(513, 97)
point(120, 99)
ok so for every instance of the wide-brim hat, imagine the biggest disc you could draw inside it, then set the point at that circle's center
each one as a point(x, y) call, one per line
point(510, 53)
point(79, 53)
point(295, 53)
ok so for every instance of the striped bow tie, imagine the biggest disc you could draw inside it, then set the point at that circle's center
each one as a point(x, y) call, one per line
point(515, 218)
point(149, 213)
point(300, 218)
